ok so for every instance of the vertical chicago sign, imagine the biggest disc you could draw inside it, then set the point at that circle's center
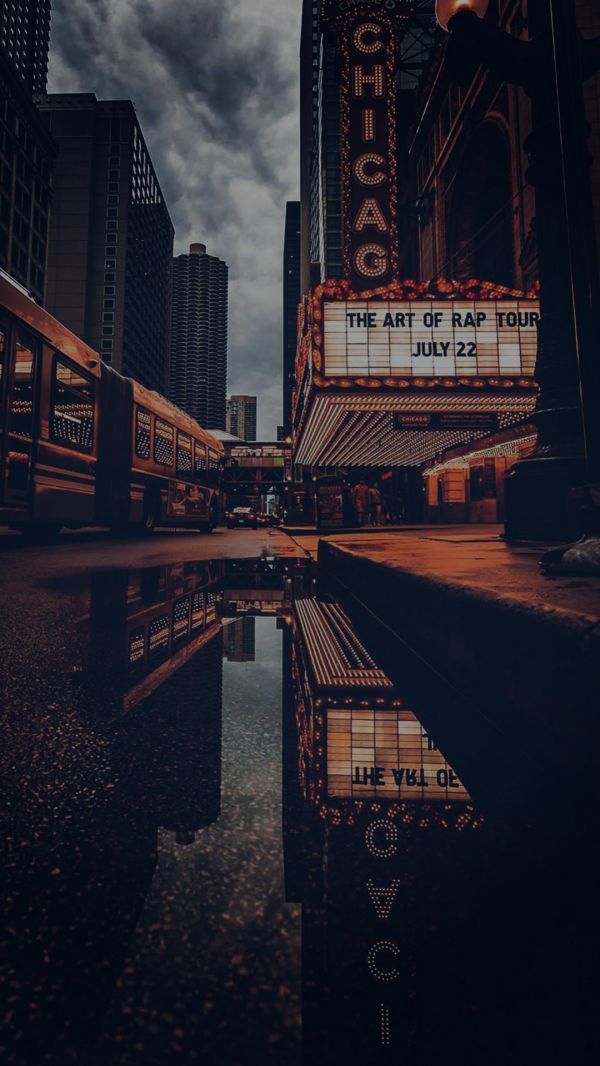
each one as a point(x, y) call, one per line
point(368, 35)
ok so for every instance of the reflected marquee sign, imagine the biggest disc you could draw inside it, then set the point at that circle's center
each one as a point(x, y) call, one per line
point(386, 754)
point(441, 338)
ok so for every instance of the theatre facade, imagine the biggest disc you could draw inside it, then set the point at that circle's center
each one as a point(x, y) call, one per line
point(432, 378)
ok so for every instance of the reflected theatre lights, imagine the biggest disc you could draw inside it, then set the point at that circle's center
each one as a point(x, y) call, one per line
point(388, 804)
point(361, 747)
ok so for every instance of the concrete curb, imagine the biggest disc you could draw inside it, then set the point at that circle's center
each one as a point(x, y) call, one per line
point(526, 666)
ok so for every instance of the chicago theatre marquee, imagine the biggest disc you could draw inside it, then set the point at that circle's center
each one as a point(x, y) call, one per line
point(391, 372)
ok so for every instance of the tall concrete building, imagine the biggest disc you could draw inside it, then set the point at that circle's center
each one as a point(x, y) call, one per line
point(26, 150)
point(25, 37)
point(198, 348)
point(111, 236)
point(241, 417)
point(291, 299)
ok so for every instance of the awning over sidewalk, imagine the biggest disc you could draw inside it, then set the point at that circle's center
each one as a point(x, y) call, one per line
point(363, 429)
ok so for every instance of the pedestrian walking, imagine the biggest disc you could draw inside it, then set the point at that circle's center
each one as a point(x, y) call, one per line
point(376, 505)
point(360, 500)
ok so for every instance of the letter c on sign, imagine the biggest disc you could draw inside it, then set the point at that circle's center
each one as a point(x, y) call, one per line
point(371, 261)
point(358, 38)
point(387, 848)
point(374, 967)
point(368, 159)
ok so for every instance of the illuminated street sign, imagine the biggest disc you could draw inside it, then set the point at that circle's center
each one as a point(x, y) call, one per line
point(440, 338)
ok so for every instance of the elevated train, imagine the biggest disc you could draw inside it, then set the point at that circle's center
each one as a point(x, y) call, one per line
point(81, 445)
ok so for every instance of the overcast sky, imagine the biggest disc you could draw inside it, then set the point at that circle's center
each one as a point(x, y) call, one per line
point(215, 84)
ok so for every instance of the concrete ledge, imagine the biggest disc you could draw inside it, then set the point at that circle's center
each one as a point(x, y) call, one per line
point(528, 667)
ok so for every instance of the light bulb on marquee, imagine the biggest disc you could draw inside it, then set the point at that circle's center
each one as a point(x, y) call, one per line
point(445, 10)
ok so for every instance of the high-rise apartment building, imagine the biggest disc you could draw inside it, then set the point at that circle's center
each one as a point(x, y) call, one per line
point(198, 349)
point(26, 149)
point(111, 236)
point(25, 37)
point(291, 299)
point(241, 417)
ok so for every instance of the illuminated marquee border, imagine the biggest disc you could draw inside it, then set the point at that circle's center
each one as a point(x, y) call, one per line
point(309, 352)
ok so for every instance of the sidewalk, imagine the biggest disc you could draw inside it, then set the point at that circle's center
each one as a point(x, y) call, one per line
point(522, 646)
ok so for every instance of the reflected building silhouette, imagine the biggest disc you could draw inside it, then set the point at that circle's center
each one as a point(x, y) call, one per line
point(239, 640)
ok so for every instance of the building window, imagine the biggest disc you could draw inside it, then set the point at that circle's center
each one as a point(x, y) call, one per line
point(72, 411)
point(163, 443)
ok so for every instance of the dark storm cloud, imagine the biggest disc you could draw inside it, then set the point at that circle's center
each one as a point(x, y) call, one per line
point(215, 86)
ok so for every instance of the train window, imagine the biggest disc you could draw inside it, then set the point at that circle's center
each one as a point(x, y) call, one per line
point(199, 460)
point(198, 611)
point(158, 637)
point(21, 401)
point(72, 412)
point(163, 443)
point(143, 426)
point(137, 646)
point(181, 619)
point(184, 455)
point(213, 467)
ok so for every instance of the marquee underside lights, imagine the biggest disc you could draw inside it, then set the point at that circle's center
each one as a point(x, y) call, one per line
point(359, 429)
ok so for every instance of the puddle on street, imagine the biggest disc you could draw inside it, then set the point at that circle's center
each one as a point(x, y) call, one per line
point(243, 829)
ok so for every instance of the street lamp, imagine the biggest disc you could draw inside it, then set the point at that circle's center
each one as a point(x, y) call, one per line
point(445, 10)
point(551, 67)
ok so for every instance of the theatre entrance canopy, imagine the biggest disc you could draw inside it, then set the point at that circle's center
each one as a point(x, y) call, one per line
point(397, 375)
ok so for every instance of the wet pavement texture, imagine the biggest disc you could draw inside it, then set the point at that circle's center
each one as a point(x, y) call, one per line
point(242, 826)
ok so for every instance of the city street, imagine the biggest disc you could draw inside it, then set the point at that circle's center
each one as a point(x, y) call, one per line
point(299, 532)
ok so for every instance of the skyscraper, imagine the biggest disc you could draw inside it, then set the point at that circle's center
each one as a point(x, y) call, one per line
point(198, 349)
point(26, 149)
point(111, 236)
point(241, 417)
point(25, 37)
point(291, 299)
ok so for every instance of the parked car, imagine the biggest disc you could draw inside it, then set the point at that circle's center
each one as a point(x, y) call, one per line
point(242, 516)
point(268, 520)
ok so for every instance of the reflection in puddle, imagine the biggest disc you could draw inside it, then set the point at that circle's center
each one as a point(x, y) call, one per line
point(179, 892)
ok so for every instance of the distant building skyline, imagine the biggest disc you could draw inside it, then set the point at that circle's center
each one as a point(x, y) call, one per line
point(27, 154)
point(198, 338)
point(242, 416)
point(111, 237)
